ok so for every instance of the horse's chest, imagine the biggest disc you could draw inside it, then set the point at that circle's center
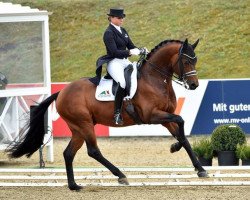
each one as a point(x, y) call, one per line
point(170, 105)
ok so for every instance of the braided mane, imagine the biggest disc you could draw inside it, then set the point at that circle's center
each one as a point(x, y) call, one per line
point(161, 44)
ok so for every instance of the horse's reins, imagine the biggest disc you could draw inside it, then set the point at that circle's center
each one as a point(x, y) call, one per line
point(178, 79)
point(164, 74)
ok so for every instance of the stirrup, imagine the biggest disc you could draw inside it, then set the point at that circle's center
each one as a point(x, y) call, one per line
point(118, 119)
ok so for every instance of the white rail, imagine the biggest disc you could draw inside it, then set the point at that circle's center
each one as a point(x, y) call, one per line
point(194, 183)
point(125, 169)
point(51, 177)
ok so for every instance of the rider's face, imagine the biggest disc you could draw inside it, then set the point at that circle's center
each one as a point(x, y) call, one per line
point(118, 21)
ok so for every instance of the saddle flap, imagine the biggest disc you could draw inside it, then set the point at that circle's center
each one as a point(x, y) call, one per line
point(127, 74)
point(104, 91)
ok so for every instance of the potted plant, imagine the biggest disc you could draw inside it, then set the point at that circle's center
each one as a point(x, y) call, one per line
point(204, 151)
point(243, 153)
point(224, 140)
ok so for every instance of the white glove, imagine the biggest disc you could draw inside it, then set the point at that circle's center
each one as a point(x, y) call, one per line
point(146, 50)
point(143, 51)
point(135, 51)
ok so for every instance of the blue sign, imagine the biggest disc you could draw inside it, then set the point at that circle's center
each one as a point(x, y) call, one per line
point(224, 102)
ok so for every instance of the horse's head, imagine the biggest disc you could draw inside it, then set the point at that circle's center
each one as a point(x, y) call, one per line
point(184, 67)
point(173, 58)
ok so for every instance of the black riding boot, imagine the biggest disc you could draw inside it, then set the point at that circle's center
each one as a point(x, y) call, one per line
point(120, 94)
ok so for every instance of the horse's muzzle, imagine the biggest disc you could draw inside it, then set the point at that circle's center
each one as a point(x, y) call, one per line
point(192, 85)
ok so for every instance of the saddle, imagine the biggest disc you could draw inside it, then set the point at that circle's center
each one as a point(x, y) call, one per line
point(105, 91)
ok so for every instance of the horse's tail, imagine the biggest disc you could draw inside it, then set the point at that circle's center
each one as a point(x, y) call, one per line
point(32, 135)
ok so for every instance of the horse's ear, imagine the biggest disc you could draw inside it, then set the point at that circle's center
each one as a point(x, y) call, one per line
point(195, 44)
point(185, 44)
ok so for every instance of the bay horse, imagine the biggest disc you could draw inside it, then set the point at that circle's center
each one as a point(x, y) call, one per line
point(154, 102)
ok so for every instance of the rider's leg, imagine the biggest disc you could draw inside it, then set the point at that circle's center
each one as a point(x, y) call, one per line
point(116, 70)
point(120, 94)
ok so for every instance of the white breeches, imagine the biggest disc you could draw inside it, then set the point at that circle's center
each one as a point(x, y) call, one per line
point(116, 70)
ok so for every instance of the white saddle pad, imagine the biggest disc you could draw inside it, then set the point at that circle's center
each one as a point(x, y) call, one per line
point(104, 89)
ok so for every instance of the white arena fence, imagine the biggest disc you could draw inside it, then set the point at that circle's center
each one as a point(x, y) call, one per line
point(56, 177)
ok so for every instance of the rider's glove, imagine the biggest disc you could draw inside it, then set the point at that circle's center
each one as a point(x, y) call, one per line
point(135, 51)
point(144, 51)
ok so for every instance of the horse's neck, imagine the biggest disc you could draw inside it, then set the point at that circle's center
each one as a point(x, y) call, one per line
point(157, 72)
point(158, 68)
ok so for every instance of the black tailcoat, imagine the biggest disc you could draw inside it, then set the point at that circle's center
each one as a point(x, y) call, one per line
point(117, 46)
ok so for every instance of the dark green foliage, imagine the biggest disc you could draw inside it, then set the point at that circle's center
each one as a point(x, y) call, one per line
point(203, 148)
point(226, 137)
point(243, 152)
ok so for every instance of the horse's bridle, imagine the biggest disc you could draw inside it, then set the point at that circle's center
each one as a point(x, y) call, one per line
point(181, 79)
point(181, 66)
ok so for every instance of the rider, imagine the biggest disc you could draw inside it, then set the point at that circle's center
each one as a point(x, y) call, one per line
point(119, 47)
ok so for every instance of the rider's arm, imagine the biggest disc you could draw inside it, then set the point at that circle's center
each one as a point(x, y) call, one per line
point(111, 46)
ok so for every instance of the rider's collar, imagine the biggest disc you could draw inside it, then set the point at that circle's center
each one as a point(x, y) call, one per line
point(117, 27)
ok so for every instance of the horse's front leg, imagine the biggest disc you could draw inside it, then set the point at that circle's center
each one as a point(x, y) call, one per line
point(175, 147)
point(166, 118)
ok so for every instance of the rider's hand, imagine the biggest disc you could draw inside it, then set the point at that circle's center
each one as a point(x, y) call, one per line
point(144, 50)
point(135, 51)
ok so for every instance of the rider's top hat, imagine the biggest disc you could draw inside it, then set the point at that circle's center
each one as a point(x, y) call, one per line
point(116, 12)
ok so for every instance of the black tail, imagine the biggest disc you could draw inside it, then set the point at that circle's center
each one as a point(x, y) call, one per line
point(32, 135)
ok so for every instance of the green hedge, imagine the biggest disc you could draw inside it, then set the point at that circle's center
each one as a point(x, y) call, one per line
point(226, 138)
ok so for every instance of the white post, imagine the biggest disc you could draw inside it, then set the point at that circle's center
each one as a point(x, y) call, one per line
point(47, 83)
point(16, 13)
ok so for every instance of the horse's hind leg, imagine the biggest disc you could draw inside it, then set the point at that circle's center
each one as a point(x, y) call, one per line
point(69, 153)
point(94, 152)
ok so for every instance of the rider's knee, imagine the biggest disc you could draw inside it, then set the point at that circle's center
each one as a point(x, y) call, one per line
point(122, 84)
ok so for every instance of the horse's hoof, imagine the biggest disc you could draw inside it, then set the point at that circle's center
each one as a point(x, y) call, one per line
point(174, 148)
point(75, 187)
point(202, 174)
point(123, 181)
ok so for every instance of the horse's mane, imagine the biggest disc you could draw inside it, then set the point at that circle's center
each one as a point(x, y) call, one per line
point(161, 44)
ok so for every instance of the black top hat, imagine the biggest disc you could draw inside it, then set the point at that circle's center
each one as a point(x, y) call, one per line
point(116, 12)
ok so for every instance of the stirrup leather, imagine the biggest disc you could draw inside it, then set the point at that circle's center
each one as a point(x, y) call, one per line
point(118, 118)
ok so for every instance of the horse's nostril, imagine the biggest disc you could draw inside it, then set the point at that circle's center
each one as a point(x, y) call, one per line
point(193, 86)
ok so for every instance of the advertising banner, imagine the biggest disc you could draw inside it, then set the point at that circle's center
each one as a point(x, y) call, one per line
point(224, 102)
